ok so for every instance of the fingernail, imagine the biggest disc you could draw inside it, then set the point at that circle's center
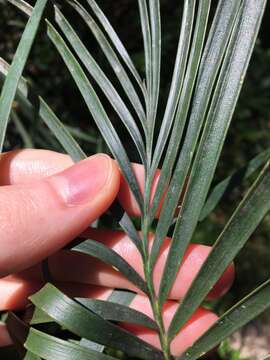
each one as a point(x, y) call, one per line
point(82, 182)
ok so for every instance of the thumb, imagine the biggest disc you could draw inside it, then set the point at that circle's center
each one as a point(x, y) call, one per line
point(39, 218)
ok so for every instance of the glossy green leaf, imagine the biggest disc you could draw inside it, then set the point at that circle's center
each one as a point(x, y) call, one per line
point(49, 347)
point(103, 82)
point(219, 117)
point(17, 67)
point(110, 257)
point(116, 312)
point(111, 56)
point(97, 110)
point(233, 181)
point(84, 323)
point(242, 224)
point(239, 315)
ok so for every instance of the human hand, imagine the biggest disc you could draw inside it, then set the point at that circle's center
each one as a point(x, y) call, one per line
point(45, 202)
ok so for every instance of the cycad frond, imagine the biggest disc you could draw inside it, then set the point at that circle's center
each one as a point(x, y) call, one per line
point(208, 75)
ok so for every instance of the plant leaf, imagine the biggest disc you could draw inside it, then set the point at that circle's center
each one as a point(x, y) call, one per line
point(110, 257)
point(49, 347)
point(17, 67)
point(102, 81)
point(116, 41)
point(111, 56)
point(239, 315)
point(96, 109)
point(116, 312)
point(84, 323)
point(238, 230)
point(220, 114)
point(231, 182)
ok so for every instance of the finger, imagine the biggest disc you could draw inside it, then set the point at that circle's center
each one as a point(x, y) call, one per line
point(200, 321)
point(15, 291)
point(197, 325)
point(92, 271)
point(24, 166)
point(40, 217)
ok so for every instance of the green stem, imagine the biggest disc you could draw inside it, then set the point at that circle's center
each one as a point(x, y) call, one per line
point(146, 227)
point(157, 311)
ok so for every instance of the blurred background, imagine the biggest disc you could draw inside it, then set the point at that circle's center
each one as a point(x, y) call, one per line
point(249, 133)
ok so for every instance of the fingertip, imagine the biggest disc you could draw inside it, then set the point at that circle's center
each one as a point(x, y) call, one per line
point(197, 325)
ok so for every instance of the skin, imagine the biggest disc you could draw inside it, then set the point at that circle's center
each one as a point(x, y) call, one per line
point(45, 202)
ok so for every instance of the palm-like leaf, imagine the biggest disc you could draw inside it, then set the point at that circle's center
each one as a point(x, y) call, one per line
point(208, 75)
